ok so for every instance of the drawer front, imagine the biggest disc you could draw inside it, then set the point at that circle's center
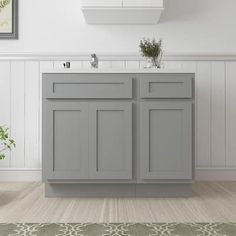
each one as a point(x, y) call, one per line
point(166, 86)
point(87, 86)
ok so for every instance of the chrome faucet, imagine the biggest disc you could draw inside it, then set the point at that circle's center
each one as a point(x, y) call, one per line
point(94, 61)
point(66, 65)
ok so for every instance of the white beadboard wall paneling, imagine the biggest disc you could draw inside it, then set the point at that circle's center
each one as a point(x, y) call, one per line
point(76, 64)
point(32, 105)
point(43, 66)
point(203, 100)
point(132, 64)
point(104, 64)
point(86, 65)
point(218, 130)
point(173, 65)
point(58, 64)
point(18, 113)
point(231, 114)
point(118, 64)
point(189, 65)
point(5, 102)
point(143, 63)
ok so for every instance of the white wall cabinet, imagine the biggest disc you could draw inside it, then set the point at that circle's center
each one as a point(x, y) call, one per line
point(122, 3)
point(102, 3)
point(124, 12)
point(143, 3)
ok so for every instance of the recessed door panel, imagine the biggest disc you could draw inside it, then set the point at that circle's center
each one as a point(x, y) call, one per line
point(82, 86)
point(167, 86)
point(67, 140)
point(110, 140)
point(166, 140)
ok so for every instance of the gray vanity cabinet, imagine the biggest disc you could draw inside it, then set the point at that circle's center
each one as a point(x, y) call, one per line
point(118, 134)
point(110, 145)
point(65, 140)
point(166, 140)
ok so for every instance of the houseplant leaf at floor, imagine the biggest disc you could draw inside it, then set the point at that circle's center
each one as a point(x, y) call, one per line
point(6, 142)
point(152, 50)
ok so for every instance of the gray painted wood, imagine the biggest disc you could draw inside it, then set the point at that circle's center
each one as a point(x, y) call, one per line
point(166, 140)
point(110, 140)
point(118, 190)
point(66, 140)
point(164, 190)
point(166, 86)
point(89, 190)
point(88, 86)
point(153, 148)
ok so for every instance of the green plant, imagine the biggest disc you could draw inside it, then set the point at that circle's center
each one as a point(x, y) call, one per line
point(4, 3)
point(6, 143)
point(152, 49)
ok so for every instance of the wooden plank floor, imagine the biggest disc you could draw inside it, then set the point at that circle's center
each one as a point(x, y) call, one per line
point(25, 202)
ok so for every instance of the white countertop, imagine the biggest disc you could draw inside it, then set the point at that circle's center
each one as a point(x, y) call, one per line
point(116, 71)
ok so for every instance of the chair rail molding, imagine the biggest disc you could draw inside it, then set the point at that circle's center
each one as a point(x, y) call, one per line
point(20, 82)
point(190, 56)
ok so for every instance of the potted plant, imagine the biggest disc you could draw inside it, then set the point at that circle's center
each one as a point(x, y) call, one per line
point(152, 50)
point(6, 143)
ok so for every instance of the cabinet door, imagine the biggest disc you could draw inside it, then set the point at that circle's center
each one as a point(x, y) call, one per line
point(166, 140)
point(143, 3)
point(110, 135)
point(66, 140)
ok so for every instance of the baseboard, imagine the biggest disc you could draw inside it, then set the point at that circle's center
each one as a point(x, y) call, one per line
point(117, 190)
point(215, 174)
point(28, 175)
point(20, 175)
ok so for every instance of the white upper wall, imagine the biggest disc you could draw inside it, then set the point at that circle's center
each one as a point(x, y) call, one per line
point(186, 26)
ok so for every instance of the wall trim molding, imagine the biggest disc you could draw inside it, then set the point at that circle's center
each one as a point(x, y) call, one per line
point(20, 175)
point(35, 175)
point(117, 56)
point(215, 174)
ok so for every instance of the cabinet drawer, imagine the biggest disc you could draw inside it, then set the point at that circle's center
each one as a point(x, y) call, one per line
point(85, 86)
point(167, 86)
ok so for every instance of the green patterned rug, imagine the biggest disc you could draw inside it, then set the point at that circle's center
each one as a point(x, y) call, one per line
point(128, 229)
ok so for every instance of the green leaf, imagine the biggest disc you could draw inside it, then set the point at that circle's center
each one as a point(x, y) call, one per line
point(151, 48)
point(5, 141)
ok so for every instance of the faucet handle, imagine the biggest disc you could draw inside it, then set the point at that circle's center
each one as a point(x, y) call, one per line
point(94, 61)
point(66, 65)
